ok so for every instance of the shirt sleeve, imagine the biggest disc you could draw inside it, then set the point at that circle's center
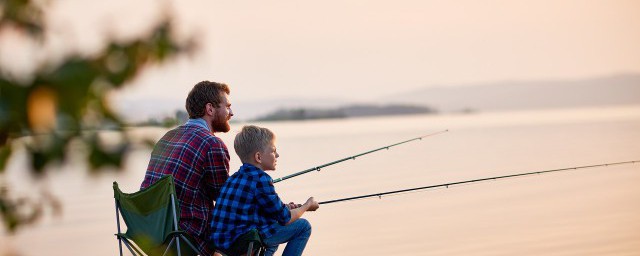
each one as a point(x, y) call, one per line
point(217, 169)
point(269, 201)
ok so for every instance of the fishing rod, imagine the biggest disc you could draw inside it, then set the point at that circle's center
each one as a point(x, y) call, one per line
point(379, 195)
point(317, 168)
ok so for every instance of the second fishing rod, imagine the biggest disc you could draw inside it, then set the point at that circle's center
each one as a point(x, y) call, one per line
point(319, 167)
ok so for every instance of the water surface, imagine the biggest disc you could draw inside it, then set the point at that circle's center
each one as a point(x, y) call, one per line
point(587, 212)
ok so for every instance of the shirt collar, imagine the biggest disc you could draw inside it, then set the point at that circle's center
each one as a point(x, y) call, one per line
point(251, 168)
point(248, 167)
point(199, 122)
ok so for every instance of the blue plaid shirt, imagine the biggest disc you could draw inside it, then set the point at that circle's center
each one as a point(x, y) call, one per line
point(247, 200)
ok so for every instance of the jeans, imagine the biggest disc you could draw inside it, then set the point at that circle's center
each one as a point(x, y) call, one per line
point(295, 235)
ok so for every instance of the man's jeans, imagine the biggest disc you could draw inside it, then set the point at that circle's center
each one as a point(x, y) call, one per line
point(295, 235)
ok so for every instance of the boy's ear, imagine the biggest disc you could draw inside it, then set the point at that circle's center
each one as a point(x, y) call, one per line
point(257, 157)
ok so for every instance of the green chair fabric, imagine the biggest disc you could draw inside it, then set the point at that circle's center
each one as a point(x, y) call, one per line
point(246, 243)
point(151, 216)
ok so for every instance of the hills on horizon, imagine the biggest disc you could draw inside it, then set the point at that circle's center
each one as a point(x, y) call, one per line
point(344, 112)
point(622, 89)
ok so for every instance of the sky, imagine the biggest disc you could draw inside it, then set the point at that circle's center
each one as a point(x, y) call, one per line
point(362, 50)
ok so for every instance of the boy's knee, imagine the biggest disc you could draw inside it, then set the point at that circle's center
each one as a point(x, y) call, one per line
point(304, 225)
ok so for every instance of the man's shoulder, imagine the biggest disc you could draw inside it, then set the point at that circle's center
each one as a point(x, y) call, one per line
point(195, 132)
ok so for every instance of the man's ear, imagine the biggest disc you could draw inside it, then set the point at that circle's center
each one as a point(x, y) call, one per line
point(210, 109)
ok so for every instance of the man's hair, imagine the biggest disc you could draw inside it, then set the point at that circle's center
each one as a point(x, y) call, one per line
point(251, 140)
point(202, 93)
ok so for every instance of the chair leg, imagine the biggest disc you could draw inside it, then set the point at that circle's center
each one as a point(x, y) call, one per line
point(118, 224)
point(186, 240)
point(250, 250)
point(120, 245)
point(178, 243)
point(175, 221)
point(169, 246)
point(132, 249)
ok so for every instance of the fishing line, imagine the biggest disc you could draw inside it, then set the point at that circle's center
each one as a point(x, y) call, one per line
point(319, 167)
point(446, 185)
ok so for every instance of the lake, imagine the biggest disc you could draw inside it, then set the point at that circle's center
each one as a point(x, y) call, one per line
point(584, 212)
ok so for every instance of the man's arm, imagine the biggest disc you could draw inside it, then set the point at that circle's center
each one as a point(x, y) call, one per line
point(217, 168)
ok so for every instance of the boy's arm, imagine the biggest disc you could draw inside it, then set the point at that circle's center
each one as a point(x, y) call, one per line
point(269, 202)
point(310, 205)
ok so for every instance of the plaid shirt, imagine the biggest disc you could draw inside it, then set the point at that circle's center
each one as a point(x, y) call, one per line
point(248, 200)
point(199, 163)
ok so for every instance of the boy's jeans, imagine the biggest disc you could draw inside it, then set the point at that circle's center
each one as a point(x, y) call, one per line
point(295, 235)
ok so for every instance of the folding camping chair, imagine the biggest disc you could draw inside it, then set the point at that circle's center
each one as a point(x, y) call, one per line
point(152, 216)
point(248, 244)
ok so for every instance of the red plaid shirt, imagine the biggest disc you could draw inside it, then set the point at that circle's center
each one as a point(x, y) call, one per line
point(199, 163)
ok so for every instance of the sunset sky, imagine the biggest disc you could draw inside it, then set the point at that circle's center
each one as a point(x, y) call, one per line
point(364, 50)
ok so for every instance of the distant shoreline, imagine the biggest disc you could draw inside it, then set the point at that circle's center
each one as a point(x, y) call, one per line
point(287, 114)
point(617, 89)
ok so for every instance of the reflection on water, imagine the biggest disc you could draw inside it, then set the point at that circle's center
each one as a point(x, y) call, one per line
point(588, 212)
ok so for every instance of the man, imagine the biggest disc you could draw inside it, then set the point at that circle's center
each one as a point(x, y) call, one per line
point(197, 159)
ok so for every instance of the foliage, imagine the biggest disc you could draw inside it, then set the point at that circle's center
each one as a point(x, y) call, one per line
point(65, 101)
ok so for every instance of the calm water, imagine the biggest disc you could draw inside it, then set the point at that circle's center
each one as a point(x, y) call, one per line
point(588, 212)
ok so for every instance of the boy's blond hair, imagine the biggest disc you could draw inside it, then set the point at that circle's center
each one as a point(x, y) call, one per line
point(250, 140)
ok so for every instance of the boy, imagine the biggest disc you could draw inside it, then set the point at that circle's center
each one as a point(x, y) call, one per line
point(248, 199)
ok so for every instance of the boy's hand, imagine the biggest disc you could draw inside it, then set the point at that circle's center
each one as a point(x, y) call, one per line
point(293, 205)
point(312, 204)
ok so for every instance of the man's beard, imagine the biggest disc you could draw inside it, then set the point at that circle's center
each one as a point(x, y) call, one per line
point(220, 124)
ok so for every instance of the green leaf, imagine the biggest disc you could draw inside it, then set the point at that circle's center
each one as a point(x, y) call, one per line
point(101, 157)
point(5, 153)
point(24, 14)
